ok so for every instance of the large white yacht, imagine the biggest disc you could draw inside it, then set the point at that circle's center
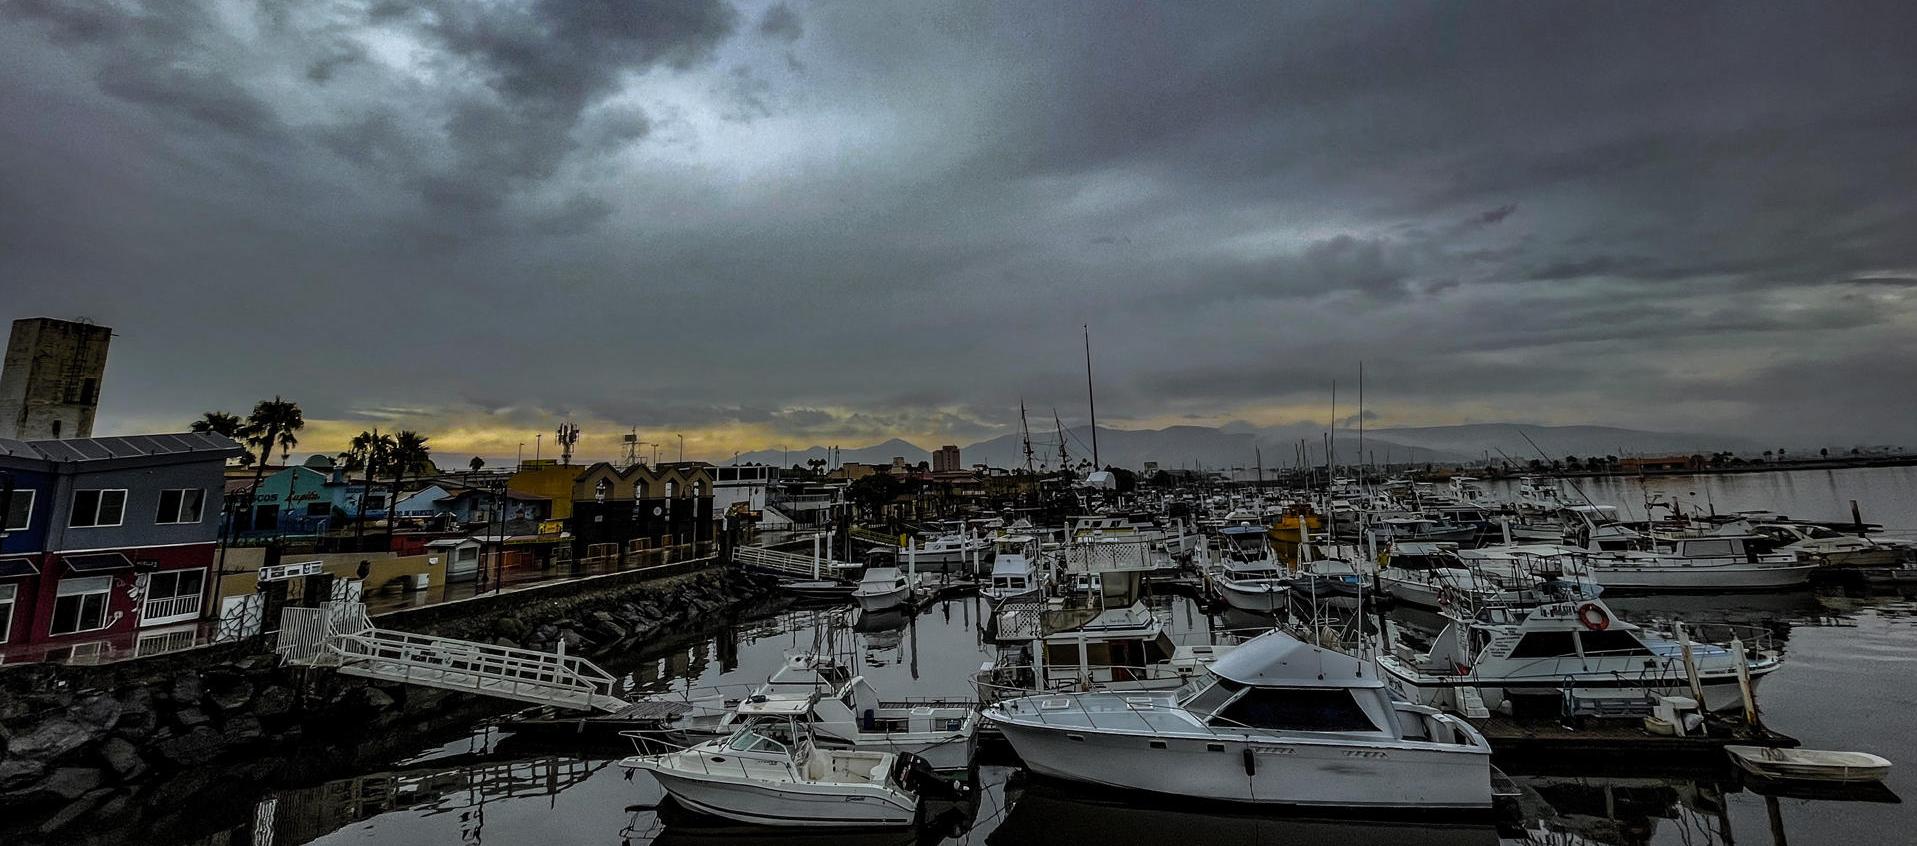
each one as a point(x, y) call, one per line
point(1567, 652)
point(1710, 563)
point(1276, 721)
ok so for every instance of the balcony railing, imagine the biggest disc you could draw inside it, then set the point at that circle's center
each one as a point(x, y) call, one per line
point(170, 608)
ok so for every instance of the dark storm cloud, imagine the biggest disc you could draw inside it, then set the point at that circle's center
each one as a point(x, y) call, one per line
point(854, 219)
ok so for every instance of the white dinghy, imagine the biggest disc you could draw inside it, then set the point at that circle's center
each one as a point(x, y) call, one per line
point(1809, 764)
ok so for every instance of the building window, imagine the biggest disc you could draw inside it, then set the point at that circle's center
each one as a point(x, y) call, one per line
point(173, 595)
point(81, 605)
point(7, 593)
point(319, 509)
point(20, 511)
point(376, 502)
point(98, 508)
point(181, 506)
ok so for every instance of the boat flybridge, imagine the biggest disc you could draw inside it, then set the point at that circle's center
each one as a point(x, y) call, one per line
point(770, 772)
point(1574, 653)
point(1275, 722)
point(1250, 577)
point(1018, 570)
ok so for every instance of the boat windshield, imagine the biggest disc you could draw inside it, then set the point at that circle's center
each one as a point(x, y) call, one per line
point(761, 738)
point(1209, 698)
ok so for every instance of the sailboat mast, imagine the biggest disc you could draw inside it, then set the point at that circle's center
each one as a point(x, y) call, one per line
point(1025, 432)
point(1090, 398)
point(1361, 426)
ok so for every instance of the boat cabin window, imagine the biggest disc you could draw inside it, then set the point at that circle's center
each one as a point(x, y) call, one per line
point(1296, 709)
point(1612, 642)
point(1207, 700)
point(1821, 533)
point(1709, 548)
point(1546, 645)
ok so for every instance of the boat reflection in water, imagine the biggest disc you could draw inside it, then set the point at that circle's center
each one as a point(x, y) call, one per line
point(1051, 812)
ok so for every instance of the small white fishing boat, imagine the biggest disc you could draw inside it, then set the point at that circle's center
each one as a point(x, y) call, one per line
point(1809, 764)
point(883, 588)
point(1016, 571)
point(1251, 578)
point(770, 773)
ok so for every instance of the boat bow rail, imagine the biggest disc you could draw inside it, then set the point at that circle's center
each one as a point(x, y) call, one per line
point(339, 635)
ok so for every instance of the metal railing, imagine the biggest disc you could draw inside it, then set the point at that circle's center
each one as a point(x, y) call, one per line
point(504, 671)
point(185, 605)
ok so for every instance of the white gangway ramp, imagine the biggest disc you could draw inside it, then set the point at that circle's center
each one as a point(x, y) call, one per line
point(339, 635)
point(790, 564)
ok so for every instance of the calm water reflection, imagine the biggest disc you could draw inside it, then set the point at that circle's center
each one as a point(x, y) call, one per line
point(1848, 684)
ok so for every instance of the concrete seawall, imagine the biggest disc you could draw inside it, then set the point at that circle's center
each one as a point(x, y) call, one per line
point(107, 753)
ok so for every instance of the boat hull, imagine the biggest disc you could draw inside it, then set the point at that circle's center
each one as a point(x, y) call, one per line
point(1255, 597)
point(882, 601)
point(1625, 577)
point(1721, 692)
point(1262, 772)
point(790, 804)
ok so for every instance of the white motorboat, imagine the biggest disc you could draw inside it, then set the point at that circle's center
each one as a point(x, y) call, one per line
point(1809, 764)
point(1251, 578)
point(769, 772)
point(1017, 571)
point(954, 551)
point(1576, 652)
point(1274, 722)
point(1710, 563)
point(884, 588)
point(1830, 547)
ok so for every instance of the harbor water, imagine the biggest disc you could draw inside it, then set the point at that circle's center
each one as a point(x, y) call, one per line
point(1849, 682)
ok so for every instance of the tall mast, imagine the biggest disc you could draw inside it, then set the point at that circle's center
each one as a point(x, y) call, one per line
point(1331, 437)
point(1025, 432)
point(1361, 425)
point(1090, 398)
point(1064, 461)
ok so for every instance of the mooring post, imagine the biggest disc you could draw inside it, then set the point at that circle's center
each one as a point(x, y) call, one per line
point(1690, 666)
point(1744, 683)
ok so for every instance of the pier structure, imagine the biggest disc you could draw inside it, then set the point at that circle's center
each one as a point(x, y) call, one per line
point(339, 635)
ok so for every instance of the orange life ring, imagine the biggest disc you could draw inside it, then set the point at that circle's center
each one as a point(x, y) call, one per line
point(1593, 617)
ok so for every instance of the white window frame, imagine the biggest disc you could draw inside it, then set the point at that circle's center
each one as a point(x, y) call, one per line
point(74, 511)
point(159, 518)
point(180, 612)
point(9, 602)
point(33, 499)
point(83, 587)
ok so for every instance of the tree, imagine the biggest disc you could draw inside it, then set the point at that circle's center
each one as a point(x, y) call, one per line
point(409, 455)
point(1123, 480)
point(219, 423)
point(1573, 462)
point(476, 463)
point(223, 423)
point(874, 492)
point(368, 454)
point(274, 423)
point(1824, 453)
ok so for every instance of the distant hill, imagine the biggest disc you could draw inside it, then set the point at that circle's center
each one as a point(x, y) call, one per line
point(1477, 439)
point(875, 454)
point(1172, 447)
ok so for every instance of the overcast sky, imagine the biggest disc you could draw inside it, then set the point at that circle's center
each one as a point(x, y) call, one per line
point(835, 222)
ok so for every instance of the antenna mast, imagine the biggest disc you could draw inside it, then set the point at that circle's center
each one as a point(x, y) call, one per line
point(1090, 398)
point(1025, 433)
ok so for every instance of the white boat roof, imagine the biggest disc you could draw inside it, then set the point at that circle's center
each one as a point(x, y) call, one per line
point(1276, 659)
point(1010, 566)
point(880, 574)
point(1423, 547)
point(777, 705)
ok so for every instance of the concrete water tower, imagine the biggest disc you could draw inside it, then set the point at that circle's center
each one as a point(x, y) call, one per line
point(50, 385)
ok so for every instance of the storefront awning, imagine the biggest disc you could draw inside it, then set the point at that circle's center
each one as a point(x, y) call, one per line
point(15, 567)
point(98, 562)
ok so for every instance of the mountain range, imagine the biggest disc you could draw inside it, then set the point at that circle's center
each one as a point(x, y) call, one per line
point(1244, 446)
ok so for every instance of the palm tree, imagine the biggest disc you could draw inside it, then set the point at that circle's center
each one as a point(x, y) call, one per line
point(409, 455)
point(368, 454)
point(273, 423)
point(226, 424)
point(219, 423)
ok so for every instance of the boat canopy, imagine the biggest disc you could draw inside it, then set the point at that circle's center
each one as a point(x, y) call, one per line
point(876, 575)
point(1276, 659)
point(1010, 567)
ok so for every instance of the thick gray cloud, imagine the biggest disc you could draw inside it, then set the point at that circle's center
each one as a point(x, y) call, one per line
point(838, 221)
